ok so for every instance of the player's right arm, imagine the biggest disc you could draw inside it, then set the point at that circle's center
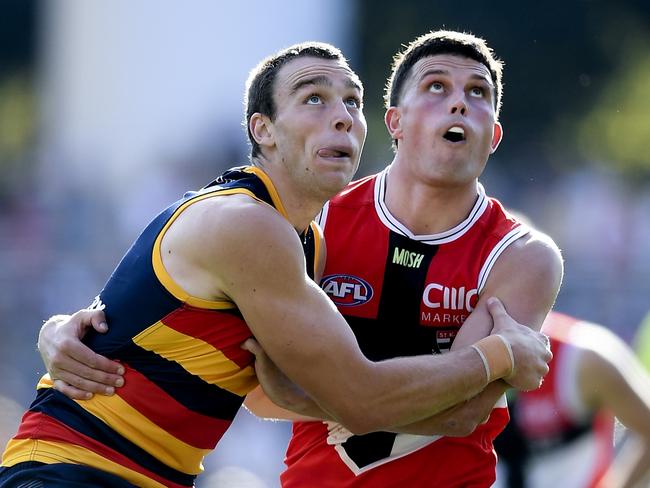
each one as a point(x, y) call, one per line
point(459, 420)
point(259, 264)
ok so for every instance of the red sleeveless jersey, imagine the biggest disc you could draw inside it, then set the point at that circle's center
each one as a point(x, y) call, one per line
point(402, 295)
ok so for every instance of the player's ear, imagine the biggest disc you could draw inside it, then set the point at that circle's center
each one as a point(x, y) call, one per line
point(393, 121)
point(496, 137)
point(261, 129)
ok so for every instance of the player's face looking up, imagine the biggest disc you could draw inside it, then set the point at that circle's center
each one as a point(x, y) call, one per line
point(445, 123)
point(319, 128)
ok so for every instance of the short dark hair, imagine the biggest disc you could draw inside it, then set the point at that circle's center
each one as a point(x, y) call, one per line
point(443, 42)
point(261, 80)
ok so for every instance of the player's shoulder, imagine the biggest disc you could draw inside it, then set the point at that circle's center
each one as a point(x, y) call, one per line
point(532, 245)
point(535, 249)
point(234, 221)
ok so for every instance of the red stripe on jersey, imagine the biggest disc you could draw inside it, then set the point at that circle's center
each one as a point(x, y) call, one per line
point(224, 331)
point(37, 425)
point(166, 412)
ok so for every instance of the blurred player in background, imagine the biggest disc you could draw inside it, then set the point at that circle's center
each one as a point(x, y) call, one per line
point(561, 435)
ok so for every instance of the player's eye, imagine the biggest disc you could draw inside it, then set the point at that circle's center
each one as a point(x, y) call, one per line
point(436, 87)
point(353, 102)
point(314, 100)
point(477, 91)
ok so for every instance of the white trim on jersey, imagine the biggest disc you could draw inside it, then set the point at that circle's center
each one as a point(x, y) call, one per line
point(501, 246)
point(450, 235)
point(404, 445)
point(321, 218)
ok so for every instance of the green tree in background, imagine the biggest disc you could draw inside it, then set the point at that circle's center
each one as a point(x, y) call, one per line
point(616, 131)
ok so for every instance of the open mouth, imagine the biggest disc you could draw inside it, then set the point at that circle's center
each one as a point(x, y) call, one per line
point(455, 134)
point(333, 153)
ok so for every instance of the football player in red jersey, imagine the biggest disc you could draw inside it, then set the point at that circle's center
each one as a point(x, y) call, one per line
point(414, 253)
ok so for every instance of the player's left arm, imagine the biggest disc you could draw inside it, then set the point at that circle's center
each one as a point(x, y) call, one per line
point(256, 401)
point(611, 378)
point(526, 277)
point(459, 420)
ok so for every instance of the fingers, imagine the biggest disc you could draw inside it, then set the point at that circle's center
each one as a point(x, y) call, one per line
point(91, 364)
point(84, 363)
point(496, 308)
point(81, 385)
point(252, 346)
point(549, 354)
point(84, 319)
point(98, 320)
point(78, 371)
point(71, 392)
point(80, 389)
point(83, 377)
point(61, 343)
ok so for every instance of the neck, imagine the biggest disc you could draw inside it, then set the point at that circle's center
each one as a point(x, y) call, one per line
point(300, 206)
point(426, 207)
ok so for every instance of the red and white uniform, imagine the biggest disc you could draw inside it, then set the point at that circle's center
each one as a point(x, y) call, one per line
point(570, 445)
point(402, 295)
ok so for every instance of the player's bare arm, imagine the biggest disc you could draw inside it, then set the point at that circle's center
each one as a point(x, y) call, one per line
point(261, 268)
point(530, 294)
point(611, 378)
point(459, 420)
point(527, 278)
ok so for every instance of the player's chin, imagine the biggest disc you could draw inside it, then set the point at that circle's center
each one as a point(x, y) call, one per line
point(339, 171)
point(333, 183)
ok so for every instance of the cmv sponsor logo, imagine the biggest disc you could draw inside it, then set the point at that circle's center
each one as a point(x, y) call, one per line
point(447, 297)
point(346, 290)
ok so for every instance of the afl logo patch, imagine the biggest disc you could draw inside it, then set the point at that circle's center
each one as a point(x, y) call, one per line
point(346, 290)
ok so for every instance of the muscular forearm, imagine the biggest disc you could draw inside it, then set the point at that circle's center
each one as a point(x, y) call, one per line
point(416, 398)
point(459, 420)
point(442, 382)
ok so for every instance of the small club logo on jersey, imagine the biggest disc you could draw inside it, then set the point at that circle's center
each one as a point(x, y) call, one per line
point(347, 290)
